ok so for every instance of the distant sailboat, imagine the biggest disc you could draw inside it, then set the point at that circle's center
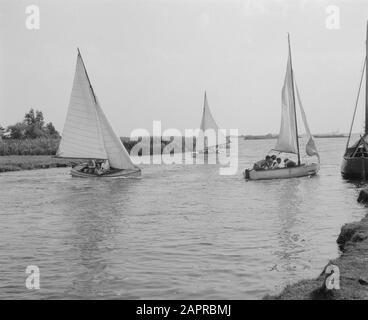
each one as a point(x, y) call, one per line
point(208, 123)
point(288, 141)
point(87, 133)
point(355, 162)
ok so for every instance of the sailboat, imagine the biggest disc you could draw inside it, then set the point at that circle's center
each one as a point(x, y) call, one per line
point(288, 141)
point(204, 144)
point(355, 161)
point(88, 135)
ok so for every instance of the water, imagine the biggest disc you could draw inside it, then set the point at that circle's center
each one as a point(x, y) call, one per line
point(180, 232)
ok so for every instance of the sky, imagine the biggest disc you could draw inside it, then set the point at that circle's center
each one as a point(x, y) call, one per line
point(153, 59)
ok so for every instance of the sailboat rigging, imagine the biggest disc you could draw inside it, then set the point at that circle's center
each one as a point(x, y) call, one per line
point(293, 91)
point(288, 138)
point(210, 137)
point(355, 161)
point(88, 134)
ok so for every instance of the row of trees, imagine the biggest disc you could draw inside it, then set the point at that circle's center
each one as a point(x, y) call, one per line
point(33, 126)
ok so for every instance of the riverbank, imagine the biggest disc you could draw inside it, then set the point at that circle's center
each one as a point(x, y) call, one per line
point(18, 163)
point(49, 146)
point(352, 264)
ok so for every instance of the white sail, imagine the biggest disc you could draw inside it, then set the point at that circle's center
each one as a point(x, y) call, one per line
point(287, 137)
point(208, 124)
point(310, 148)
point(82, 136)
point(87, 132)
point(116, 152)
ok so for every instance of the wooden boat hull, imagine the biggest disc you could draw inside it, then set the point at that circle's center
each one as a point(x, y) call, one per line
point(130, 173)
point(282, 173)
point(354, 168)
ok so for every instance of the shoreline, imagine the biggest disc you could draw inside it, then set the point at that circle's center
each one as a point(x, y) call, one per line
point(352, 264)
point(275, 136)
point(20, 163)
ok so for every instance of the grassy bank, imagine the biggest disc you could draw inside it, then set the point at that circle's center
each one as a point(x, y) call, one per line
point(17, 163)
point(49, 146)
point(353, 266)
point(28, 154)
point(29, 147)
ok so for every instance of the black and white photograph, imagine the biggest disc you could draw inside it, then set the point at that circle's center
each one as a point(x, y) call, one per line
point(201, 151)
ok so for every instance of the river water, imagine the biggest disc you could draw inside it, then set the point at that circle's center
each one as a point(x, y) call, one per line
point(179, 232)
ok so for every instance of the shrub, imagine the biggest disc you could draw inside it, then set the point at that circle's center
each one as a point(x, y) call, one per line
point(24, 147)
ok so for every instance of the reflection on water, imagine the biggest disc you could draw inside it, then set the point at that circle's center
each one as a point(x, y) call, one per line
point(181, 231)
point(288, 214)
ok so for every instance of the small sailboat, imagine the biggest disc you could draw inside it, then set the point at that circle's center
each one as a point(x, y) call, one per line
point(88, 135)
point(355, 161)
point(288, 141)
point(205, 144)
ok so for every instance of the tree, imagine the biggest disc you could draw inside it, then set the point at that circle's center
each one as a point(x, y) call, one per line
point(51, 131)
point(30, 118)
point(39, 119)
point(34, 119)
point(35, 124)
point(17, 131)
point(32, 127)
point(2, 131)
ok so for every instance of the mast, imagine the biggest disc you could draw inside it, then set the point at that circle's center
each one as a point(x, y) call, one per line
point(356, 103)
point(292, 86)
point(366, 84)
point(203, 119)
point(204, 102)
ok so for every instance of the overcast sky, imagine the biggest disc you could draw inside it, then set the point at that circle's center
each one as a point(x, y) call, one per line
point(152, 60)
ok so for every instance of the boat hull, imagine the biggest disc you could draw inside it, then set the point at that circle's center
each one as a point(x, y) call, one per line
point(354, 168)
point(129, 173)
point(282, 173)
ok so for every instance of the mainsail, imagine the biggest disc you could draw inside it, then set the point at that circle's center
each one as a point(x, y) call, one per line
point(287, 139)
point(288, 136)
point(87, 134)
point(209, 124)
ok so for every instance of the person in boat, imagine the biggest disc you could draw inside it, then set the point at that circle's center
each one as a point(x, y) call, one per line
point(91, 166)
point(105, 166)
point(277, 164)
point(98, 167)
point(361, 152)
point(270, 161)
point(289, 163)
point(262, 164)
point(84, 167)
point(273, 158)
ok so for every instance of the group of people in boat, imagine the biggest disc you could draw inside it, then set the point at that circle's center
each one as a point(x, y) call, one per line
point(273, 162)
point(361, 152)
point(97, 167)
